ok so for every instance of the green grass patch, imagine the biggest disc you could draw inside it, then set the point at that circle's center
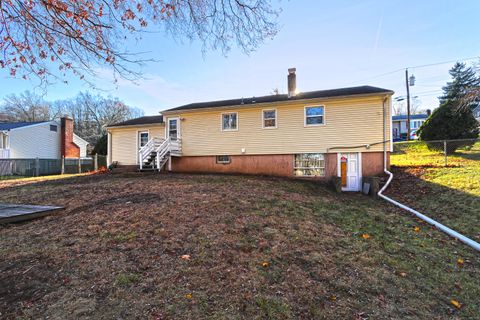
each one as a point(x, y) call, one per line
point(273, 308)
point(448, 193)
point(119, 237)
point(126, 279)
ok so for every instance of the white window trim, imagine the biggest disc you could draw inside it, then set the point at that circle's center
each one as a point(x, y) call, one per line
point(138, 142)
point(167, 126)
point(263, 118)
point(221, 121)
point(318, 124)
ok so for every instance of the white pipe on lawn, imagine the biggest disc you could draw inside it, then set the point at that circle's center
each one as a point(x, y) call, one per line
point(438, 225)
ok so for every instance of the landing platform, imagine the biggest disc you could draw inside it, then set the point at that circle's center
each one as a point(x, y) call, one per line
point(19, 212)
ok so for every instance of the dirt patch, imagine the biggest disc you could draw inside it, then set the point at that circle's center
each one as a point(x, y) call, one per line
point(27, 279)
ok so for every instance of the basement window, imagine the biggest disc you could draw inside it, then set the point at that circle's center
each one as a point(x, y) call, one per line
point(309, 165)
point(223, 159)
point(53, 128)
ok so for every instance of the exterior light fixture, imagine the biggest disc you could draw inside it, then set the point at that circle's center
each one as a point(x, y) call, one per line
point(411, 80)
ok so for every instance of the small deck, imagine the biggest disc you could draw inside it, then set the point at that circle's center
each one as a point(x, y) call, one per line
point(19, 212)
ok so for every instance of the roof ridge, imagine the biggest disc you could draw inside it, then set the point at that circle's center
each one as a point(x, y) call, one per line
point(345, 91)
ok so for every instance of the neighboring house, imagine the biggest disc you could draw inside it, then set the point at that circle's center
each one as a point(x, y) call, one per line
point(476, 113)
point(44, 140)
point(399, 124)
point(82, 145)
point(317, 134)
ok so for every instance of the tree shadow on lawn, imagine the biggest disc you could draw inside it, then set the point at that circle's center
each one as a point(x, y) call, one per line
point(469, 155)
point(452, 207)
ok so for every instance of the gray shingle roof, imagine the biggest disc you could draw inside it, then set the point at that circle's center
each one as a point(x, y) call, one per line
point(139, 121)
point(13, 125)
point(283, 97)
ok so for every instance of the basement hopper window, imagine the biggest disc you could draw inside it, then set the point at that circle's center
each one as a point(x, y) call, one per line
point(314, 116)
point(223, 159)
point(53, 128)
point(229, 121)
point(309, 165)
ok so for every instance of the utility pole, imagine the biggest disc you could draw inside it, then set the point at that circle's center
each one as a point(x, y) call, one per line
point(408, 104)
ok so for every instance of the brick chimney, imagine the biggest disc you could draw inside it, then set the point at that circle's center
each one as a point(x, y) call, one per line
point(292, 82)
point(68, 148)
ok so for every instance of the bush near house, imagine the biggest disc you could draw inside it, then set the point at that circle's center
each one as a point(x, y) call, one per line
point(454, 119)
point(450, 122)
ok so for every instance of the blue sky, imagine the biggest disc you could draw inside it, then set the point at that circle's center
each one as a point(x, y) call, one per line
point(331, 43)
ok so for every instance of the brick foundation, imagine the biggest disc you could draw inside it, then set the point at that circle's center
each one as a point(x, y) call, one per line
point(372, 163)
point(273, 165)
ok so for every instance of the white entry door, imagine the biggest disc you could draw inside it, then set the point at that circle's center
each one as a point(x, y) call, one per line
point(349, 169)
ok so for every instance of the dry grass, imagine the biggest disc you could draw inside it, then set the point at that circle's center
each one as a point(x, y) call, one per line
point(225, 247)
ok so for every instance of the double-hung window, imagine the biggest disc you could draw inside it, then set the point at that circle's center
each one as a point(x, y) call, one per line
point(269, 118)
point(309, 165)
point(229, 121)
point(314, 116)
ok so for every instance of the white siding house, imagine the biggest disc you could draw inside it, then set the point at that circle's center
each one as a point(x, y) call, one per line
point(40, 140)
point(82, 144)
point(28, 140)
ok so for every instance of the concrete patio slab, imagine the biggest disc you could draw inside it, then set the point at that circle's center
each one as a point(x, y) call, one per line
point(19, 212)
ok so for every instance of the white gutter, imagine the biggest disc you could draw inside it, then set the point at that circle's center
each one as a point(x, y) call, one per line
point(438, 225)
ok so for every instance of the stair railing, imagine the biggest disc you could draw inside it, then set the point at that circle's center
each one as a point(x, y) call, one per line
point(145, 151)
point(162, 151)
point(176, 145)
point(161, 147)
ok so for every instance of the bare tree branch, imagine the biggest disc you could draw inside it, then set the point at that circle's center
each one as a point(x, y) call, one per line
point(49, 38)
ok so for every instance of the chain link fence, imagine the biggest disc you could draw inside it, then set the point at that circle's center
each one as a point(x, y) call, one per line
point(17, 168)
point(459, 152)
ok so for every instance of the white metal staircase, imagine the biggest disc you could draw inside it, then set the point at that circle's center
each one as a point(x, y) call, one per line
point(157, 152)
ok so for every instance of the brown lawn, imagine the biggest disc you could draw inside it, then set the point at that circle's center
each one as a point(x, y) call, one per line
point(158, 246)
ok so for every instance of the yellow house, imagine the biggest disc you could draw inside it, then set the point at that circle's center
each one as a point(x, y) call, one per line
point(340, 132)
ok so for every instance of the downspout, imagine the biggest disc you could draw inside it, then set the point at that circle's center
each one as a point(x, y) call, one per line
point(438, 225)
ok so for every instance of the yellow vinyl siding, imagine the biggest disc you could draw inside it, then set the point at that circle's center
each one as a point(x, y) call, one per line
point(125, 142)
point(348, 122)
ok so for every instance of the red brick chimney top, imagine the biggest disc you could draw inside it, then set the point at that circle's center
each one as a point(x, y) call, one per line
point(68, 148)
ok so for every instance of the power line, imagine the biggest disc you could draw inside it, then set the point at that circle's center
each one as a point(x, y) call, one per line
point(419, 66)
point(443, 62)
